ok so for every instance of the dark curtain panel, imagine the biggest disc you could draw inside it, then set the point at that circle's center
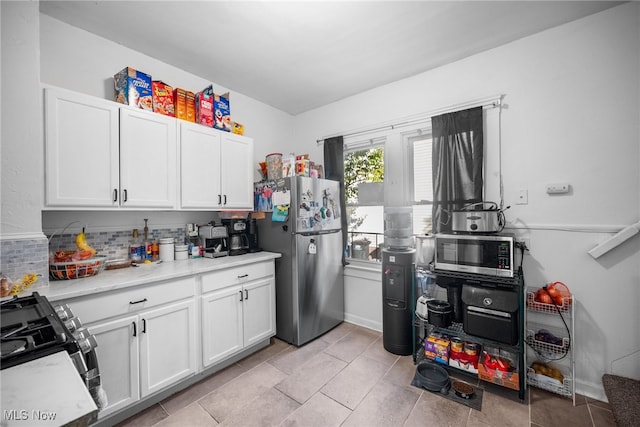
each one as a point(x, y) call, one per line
point(334, 170)
point(457, 163)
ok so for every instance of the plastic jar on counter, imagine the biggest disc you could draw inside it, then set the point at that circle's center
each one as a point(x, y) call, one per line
point(181, 252)
point(167, 249)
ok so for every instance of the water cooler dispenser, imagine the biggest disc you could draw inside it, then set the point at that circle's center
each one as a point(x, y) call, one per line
point(398, 257)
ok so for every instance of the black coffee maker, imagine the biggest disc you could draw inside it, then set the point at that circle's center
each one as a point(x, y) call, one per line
point(237, 231)
point(252, 236)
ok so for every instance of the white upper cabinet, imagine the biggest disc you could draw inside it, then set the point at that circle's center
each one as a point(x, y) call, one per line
point(100, 154)
point(237, 171)
point(148, 159)
point(81, 146)
point(215, 169)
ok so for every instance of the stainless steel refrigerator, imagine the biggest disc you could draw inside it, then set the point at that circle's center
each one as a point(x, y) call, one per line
point(305, 228)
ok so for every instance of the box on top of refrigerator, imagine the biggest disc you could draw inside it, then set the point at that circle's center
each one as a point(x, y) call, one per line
point(162, 98)
point(222, 112)
point(133, 88)
point(204, 106)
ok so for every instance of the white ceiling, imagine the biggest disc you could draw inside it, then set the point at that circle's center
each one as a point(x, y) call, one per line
point(297, 56)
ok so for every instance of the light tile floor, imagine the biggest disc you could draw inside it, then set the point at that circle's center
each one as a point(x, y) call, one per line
point(347, 378)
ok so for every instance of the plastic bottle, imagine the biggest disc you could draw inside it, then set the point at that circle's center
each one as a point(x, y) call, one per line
point(148, 245)
point(136, 248)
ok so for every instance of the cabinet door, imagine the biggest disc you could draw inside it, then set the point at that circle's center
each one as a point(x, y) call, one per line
point(81, 150)
point(221, 324)
point(148, 159)
point(259, 311)
point(117, 353)
point(167, 345)
point(237, 171)
point(199, 167)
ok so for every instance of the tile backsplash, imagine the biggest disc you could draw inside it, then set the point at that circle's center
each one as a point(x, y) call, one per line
point(112, 244)
point(21, 256)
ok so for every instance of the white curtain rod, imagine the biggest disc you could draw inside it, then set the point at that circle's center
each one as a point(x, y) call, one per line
point(489, 102)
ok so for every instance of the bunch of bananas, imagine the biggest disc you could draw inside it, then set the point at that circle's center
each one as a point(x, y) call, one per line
point(6, 288)
point(81, 243)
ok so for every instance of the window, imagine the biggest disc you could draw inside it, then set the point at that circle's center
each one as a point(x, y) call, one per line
point(421, 185)
point(363, 179)
point(409, 163)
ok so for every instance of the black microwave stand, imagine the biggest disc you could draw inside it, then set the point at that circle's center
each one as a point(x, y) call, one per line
point(422, 329)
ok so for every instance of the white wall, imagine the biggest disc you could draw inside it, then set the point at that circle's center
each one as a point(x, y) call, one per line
point(572, 115)
point(22, 140)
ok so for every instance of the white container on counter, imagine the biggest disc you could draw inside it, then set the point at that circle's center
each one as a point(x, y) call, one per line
point(181, 252)
point(167, 249)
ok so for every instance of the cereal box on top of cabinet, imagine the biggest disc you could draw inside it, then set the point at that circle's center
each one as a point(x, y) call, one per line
point(162, 98)
point(180, 103)
point(222, 112)
point(133, 88)
point(191, 106)
point(204, 106)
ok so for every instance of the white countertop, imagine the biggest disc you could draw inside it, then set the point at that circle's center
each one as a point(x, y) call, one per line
point(45, 392)
point(109, 280)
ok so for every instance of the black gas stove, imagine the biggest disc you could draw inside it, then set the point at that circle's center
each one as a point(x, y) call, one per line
point(32, 328)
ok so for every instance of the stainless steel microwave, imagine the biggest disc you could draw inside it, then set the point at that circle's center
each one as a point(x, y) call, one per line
point(490, 255)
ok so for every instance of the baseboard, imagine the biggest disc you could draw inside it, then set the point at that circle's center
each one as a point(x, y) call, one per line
point(361, 321)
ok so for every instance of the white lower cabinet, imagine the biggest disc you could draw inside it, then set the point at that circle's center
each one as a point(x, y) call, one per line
point(238, 310)
point(141, 354)
point(118, 354)
point(150, 337)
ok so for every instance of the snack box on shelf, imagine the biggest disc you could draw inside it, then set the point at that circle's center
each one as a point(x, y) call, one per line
point(180, 101)
point(222, 112)
point(498, 366)
point(204, 106)
point(237, 128)
point(162, 98)
point(436, 347)
point(133, 87)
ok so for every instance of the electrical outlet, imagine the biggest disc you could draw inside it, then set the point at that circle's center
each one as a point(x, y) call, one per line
point(523, 197)
point(558, 188)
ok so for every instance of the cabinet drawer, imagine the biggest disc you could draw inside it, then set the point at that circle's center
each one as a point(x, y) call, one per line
point(237, 275)
point(110, 304)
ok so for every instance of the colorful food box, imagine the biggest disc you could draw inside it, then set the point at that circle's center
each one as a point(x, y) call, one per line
point(163, 98)
point(180, 101)
point(204, 106)
point(237, 128)
point(222, 112)
point(506, 377)
point(436, 347)
point(191, 106)
point(464, 361)
point(133, 88)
